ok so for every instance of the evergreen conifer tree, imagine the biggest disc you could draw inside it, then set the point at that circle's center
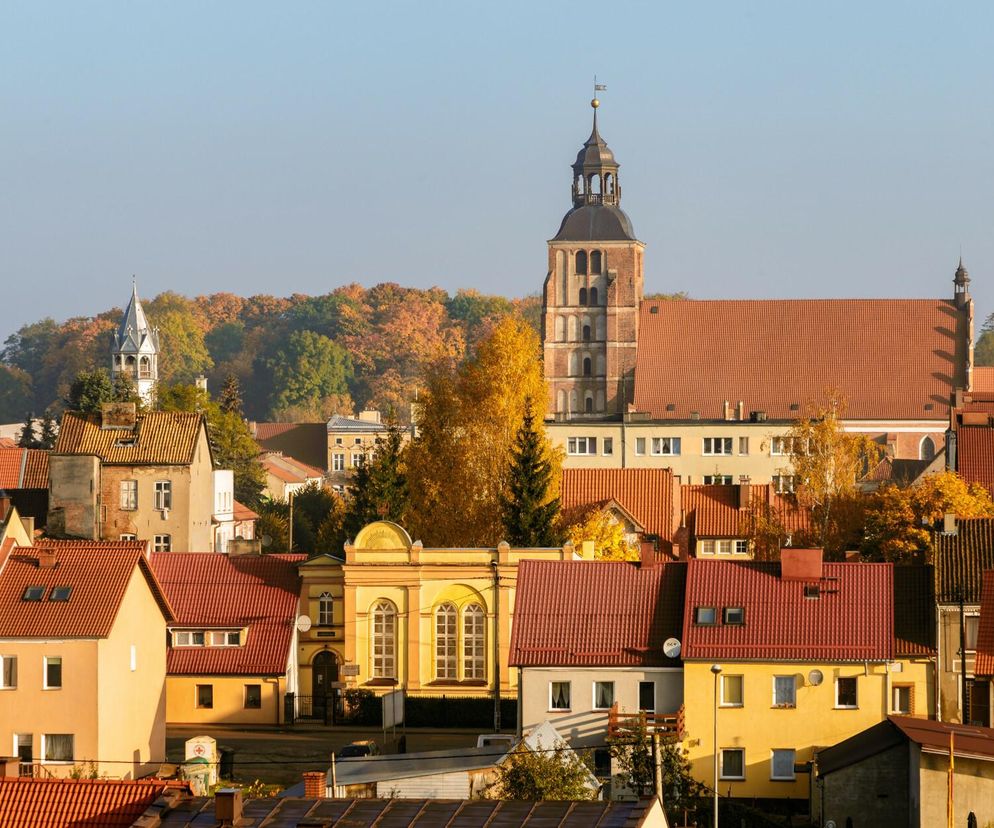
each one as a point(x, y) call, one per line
point(529, 516)
point(27, 437)
point(379, 488)
point(48, 431)
point(231, 396)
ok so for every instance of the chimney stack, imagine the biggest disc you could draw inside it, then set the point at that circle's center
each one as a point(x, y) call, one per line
point(800, 564)
point(228, 807)
point(647, 553)
point(46, 558)
point(315, 784)
point(118, 415)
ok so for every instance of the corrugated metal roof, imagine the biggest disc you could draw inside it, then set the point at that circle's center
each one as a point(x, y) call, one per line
point(695, 355)
point(985, 635)
point(646, 494)
point(88, 803)
point(162, 438)
point(98, 574)
point(340, 423)
point(207, 590)
point(596, 613)
point(961, 558)
point(851, 620)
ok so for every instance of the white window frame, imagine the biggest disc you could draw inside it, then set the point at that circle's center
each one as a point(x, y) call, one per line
point(44, 675)
point(607, 446)
point(383, 616)
point(721, 764)
point(846, 706)
point(723, 702)
point(731, 612)
point(44, 749)
point(665, 446)
point(593, 695)
point(187, 638)
point(326, 609)
point(740, 546)
point(446, 623)
point(717, 480)
point(710, 444)
point(129, 495)
point(474, 642)
point(784, 483)
point(971, 627)
point(782, 681)
point(581, 446)
point(133, 659)
point(162, 499)
point(773, 765)
point(162, 543)
point(569, 697)
point(744, 446)
point(127, 536)
point(640, 446)
point(224, 638)
point(697, 616)
point(4, 661)
point(338, 461)
point(895, 690)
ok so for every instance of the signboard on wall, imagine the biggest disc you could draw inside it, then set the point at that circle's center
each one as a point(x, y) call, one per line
point(350, 669)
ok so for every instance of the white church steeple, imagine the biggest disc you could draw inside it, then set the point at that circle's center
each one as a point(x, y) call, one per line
point(136, 349)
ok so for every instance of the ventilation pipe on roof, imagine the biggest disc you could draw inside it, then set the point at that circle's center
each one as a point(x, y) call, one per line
point(740, 410)
point(726, 410)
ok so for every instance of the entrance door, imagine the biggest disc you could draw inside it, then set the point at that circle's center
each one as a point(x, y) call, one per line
point(647, 696)
point(323, 676)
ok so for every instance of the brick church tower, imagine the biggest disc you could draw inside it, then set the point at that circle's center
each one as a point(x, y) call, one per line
point(592, 293)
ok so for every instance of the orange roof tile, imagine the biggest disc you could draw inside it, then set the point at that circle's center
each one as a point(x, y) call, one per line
point(985, 635)
point(166, 438)
point(694, 355)
point(243, 512)
point(8, 442)
point(88, 803)
point(975, 455)
point(713, 511)
point(983, 378)
point(646, 494)
point(23, 468)
point(98, 574)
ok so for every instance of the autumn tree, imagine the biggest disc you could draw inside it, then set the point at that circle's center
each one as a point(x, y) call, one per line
point(599, 526)
point(556, 773)
point(378, 490)
point(89, 391)
point(527, 510)
point(312, 506)
point(183, 353)
point(231, 396)
point(459, 465)
point(15, 392)
point(308, 368)
point(273, 526)
point(983, 352)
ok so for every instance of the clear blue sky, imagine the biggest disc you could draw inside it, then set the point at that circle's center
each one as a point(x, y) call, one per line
point(780, 149)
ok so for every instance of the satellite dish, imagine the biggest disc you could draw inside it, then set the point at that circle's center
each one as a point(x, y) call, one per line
point(830, 824)
point(815, 678)
point(303, 623)
point(671, 648)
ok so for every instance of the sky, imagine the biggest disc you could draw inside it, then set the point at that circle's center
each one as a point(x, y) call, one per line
point(775, 149)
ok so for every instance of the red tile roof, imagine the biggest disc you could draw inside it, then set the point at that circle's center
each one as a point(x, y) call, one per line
point(164, 438)
point(217, 591)
point(695, 355)
point(290, 470)
point(983, 378)
point(975, 455)
point(307, 442)
point(98, 574)
point(23, 468)
point(851, 620)
point(8, 442)
point(243, 512)
point(985, 635)
point(713, 511)
point(646, 494)
point(76, 803)
point(596, 613)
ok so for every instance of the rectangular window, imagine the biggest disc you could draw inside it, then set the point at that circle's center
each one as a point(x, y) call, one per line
point(163, 495)
point(53, 672)
point(705, 547)
point(205, 696)
point(608, 445)
point(188, 638)
point(338, 461)
point(162, 543)
point(129, 494)
point(845, 693)
point(718, 445)
point(225, 638)
point(902, 699)
point(733, 763)
point(784, 691)
point(57, 747)
point(972, 627)
point(603, 694)
point(559, 695)
point(640, 445)
point(734, 616)
point(717, 480)
point(782, 765)
point(127, 537)
point(253, 696)
point(602, 763)
point(743, 445)
point(784, 483)
point(581, 445)
point(666, 445)
point(731, 691)
point(647, 696)
point(705, 616)
point(8, 672)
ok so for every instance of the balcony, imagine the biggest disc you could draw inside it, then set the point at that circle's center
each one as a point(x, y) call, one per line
point(669, 726)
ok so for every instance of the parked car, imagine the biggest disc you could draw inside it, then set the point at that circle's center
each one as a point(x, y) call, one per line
point(359, 749)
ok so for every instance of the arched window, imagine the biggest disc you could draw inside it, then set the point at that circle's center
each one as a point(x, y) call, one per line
point(325, 610)
point(560, 329)
point(583, 296)
point(586, 333)
point(474, 636)
point(579, 185)
point(587, 371)
point(561, 401)
point(445, 642)
point(926, 449)
point(593, 296)
point(595, 183)
point(609, 184)
point(595, 261)
point(581, 262)
point(384, 640)
point(574, 365)
point(572, 401)
point(588, 403)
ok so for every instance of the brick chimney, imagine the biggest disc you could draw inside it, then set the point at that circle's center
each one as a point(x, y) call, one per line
point(315, 784)
point(118, 415)
point(800, 564)
point(46, 558)
point(647, 553)
point(745, 492)
point(228, 807)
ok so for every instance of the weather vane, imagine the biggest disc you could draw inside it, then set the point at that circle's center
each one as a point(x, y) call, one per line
point(598, 87)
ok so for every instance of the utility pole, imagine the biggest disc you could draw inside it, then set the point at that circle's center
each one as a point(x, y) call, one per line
point(964, 718)
point(289, 546)
point(657, 763)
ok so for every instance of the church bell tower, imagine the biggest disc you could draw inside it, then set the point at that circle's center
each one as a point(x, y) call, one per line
point(136, 349)
point(592, 293)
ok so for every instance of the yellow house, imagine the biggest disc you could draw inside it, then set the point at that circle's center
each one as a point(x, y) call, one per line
point(321, 647)
point(783, 659)
point(432, 621)
point(232, 647)
point(82, 658)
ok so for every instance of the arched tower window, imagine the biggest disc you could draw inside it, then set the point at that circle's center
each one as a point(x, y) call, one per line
point(384, 640)
point(593, 296)
point(588, 403)
point(595, 261)
point(581, 262)
point(561, 401)
point(560, 329)
point(587, 368)
point(474, 642)
point(926, 449)
point(586, 333)
point(583, 296)
point(325, 610)
point(445, 642)
point(595, 183)
point(574, 365)
point(609, 184)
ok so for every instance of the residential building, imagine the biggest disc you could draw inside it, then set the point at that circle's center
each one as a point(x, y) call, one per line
point(964, 549)
point(351, 441)
point(24, 479)
point(120, 475)
point(796, 671)
point(136, 349)
point(232, 655)
point(590, 647)
point(286, 476)
point(984, 663)
point(897, 773)
point(322, 640)
point(83, 646)
point(689, 373)
point(306, 442)
point(971, 438)
point(429, 620)
point(14, 530)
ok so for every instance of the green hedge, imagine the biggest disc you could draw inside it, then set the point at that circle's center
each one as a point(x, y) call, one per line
point(364, 708)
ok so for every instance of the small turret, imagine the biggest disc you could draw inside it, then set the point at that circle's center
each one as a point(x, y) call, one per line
point(136, 349)
point(961, 285)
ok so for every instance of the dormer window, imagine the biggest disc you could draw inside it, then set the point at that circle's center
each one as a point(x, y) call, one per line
point(705, 616)
point(33, 593)
point(188, 638)
point(225, 638)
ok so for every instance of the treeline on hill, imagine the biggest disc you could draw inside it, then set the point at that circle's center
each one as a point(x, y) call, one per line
point(295, 359)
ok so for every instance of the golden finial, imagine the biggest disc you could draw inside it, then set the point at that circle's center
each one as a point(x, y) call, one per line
point(595, 103)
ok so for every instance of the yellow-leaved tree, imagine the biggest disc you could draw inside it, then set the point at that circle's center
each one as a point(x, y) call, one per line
point(468, 417)
point(608, 535)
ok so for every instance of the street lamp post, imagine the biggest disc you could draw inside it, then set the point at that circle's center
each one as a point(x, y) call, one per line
point(715, 671)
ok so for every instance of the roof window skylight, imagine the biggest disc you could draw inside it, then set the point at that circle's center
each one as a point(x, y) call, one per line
point(60, 593)
point(33, 593)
